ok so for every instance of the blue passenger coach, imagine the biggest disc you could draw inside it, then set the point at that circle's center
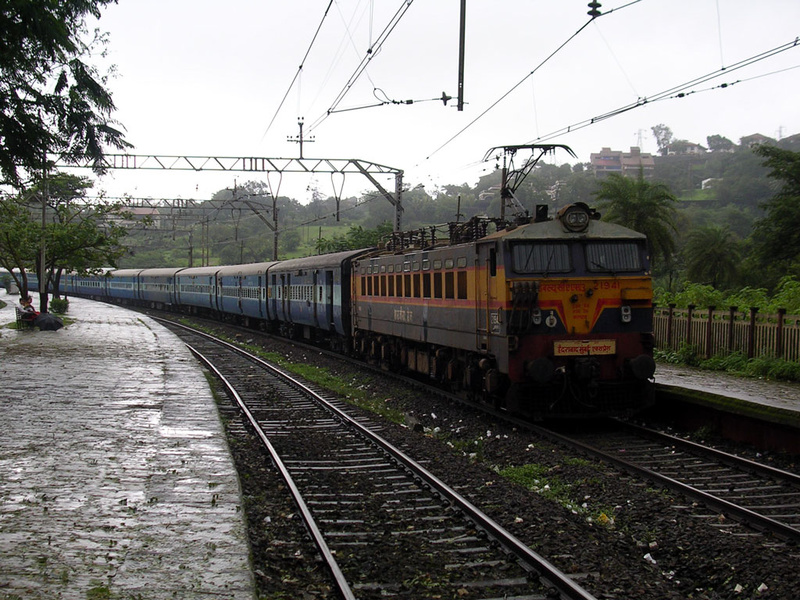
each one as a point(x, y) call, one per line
point(196, 288)
point(242, 290)
point(308, 295)
point(157, 287)
point(124, 284)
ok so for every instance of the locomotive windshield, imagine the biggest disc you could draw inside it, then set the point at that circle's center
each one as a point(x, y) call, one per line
point(541, 258)
point(613, 256)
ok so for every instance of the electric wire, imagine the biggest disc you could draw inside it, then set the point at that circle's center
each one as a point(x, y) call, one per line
point(679, 91)
point(372, 51)
point(539, 66)
point(299, 69)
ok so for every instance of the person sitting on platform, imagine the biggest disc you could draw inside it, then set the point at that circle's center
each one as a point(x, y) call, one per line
point(29, 313)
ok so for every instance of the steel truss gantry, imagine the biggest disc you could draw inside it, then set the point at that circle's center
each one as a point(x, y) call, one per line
point(250, 164)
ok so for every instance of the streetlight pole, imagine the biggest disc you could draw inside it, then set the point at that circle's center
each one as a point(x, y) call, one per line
point(43, 250)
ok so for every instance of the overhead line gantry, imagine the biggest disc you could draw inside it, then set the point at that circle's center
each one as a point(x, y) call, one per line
point(251, 164)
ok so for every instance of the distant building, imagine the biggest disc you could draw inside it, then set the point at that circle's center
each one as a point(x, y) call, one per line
point(749, 141)
point(625, 163)
point(684, 147)
point(139, 213)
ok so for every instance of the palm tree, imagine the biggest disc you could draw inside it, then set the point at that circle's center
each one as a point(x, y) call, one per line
point(712, 255)
point(643, 206)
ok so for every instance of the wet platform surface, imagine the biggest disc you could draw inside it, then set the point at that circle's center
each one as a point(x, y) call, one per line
point(783, 396)
point(115, 477)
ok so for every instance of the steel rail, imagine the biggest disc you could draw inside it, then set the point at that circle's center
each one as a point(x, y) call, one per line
point(756, 520)
point(547, 572)
point(731, 459)
point(341, 582)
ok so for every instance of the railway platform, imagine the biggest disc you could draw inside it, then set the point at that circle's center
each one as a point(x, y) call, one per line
point(765, 397)
point(765, 414)
point(115, 477)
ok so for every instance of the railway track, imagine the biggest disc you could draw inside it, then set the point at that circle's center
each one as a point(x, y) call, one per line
point(739, 491)
point(384, 525)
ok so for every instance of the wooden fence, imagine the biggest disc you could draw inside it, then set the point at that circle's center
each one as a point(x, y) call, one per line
point(713, 331)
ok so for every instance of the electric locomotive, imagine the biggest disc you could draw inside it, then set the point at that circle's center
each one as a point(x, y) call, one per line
point(552, 318)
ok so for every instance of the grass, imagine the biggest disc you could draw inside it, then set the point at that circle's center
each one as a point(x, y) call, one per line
point(543, 480)
point(353, 391)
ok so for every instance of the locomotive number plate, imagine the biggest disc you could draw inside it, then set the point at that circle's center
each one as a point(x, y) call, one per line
point(584, 347)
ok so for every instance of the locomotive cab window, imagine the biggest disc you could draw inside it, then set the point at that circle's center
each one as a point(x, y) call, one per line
point(541, 258)
point(613, 257)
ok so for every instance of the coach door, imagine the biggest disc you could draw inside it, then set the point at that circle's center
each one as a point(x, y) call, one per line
point(488, 314)
point(262, 295)
point(286, 297)
point(329, 301)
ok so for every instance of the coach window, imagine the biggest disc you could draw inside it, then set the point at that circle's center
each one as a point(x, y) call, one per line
point(462, 262)
point(461, 279)
point(369, 286)
point(437, 285)
point(437, 264)
point(493, 262)
point(390, 268)
point(417, 289)
point(426, 265)
point(415, 265)
point(407, 286)
point(383, 285)
point(449, 287)
point(391, 285)
point(376, 284)
point(426, 284)
point(399, 280)
point(363, 285)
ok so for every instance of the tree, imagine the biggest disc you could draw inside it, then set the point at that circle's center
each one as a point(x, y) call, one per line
point(51, 100)
point(643, 206)
point(20, 237)
point(718, 143)
point(78, 236)
point(356, 237)
point(776, 237)
point(712, 256)
point(663, 136)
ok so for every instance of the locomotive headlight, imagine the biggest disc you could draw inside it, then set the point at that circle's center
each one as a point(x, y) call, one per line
point(625, 314)
point(536, 317)
point(575, 218)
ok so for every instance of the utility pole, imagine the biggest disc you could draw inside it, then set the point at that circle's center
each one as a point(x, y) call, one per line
point(300, 139)
point(43, 253)
point(462, 40)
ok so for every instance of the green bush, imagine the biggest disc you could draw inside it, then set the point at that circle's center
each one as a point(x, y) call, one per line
point(736, 363)
point(59, 305)
point(773, 368)
point(733, 363)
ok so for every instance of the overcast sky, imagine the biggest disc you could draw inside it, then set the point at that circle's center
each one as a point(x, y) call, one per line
point(208, 78)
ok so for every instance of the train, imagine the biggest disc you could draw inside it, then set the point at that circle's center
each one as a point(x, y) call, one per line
point(550, 318)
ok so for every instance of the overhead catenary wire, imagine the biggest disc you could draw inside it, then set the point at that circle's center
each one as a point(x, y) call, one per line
point(530, 74)
point(299, 69)
point(371, 52)
point(679, 91)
